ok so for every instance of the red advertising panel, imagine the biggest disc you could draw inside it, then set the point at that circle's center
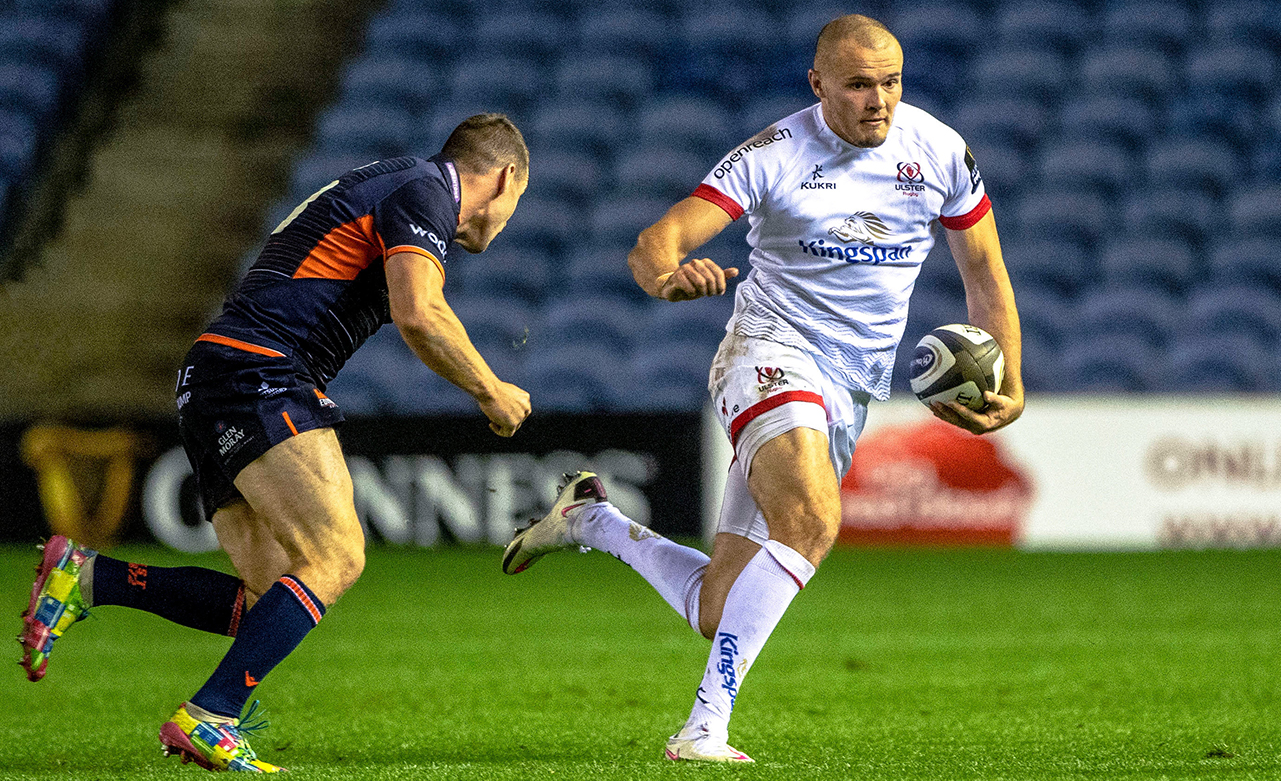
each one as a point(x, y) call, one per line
point(930, 483)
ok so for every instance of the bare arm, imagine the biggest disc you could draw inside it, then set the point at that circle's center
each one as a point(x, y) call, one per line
point(990, 301)
point(432, 330)
point(656, 260)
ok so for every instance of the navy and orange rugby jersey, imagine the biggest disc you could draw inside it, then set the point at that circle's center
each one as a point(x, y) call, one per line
point(318, 290)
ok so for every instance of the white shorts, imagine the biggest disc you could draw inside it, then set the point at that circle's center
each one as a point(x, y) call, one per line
point(761, 389)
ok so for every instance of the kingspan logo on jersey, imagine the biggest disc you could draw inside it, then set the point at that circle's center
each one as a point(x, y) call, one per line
point(865, 228)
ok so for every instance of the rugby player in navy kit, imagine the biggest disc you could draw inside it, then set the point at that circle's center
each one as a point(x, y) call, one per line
point(367, 249)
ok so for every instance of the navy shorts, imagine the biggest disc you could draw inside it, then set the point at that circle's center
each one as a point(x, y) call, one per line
point(234, 405)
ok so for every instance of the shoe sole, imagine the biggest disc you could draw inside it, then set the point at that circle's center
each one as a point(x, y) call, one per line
point(597, 494)
point(54, 550)
point(174, 742)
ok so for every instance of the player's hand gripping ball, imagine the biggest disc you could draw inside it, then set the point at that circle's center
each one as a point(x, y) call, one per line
point(957, 362)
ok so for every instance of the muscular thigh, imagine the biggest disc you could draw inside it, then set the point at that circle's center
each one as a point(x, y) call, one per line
point(301, 491)
point(258, 558)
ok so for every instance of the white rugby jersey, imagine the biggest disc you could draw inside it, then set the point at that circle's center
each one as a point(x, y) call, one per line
point(838, 233)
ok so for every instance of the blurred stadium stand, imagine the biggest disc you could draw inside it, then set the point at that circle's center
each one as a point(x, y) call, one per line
point(1130, 148)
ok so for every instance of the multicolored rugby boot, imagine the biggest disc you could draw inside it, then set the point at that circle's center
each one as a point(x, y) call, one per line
point(56, 602)
point(702, 747)
point(551, 532)
point(214, 746)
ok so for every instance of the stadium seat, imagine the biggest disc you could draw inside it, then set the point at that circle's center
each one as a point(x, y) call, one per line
point(417, 34)
point(1016, 121)
point(1236, 69)
point(1254, 259)
point(18, 143)
point(764, 110)
point(727, 29)
point(574, 124)
point(403, 82)
point(1219, 363)
point(1056, 23)
point(1117, 363)
point(667, 172)
point(319, 169)
point(1043, 314)
point(34, 40)
point(1163, 23)
point(498, 80)
point(1266, 160)
point(624, 29)
point(1164, 263)
point(619, 220)
point(496, 324)
point(506, 272)
point(1210, 117)
point(574, 175)
point(1125, 69)
point(1185, 162)
point(576, 378)
point(1256, 211)
point(1087, 164)
point(1242, 308)
point(609, 324)
point(1041, 366)
point(372, 130)
point(938, 272)
point(520, 31)
point(1061, 267)
point(33, 88)
point(699, 325)
point(1250, 21)
point(672, 378)
point(933, 27)
point(1143, 312)
point(696, 124)
point(1056, 214)
point(1004, 168)
point(546, 222)
point(601, 270)
point(604, 77)
point(1108, 116)
point(1036, 73)
point(1189, 214)
point(93, 11)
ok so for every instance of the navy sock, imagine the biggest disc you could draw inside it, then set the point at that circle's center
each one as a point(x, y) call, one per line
point(270, 631)
point(203, 599)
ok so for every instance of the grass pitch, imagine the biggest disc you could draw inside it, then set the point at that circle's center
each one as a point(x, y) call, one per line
point(964, 664)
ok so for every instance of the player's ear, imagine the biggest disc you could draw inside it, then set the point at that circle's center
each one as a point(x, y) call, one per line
point(815, 83)
point(506, 179)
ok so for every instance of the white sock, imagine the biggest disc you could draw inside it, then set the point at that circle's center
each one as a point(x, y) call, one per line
point(753, 607)
point(675, 571)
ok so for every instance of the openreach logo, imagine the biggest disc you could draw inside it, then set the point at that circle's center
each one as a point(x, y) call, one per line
point(764, 139)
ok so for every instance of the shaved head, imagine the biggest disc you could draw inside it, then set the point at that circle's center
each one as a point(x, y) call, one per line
point(858, 77)
point(862, 31)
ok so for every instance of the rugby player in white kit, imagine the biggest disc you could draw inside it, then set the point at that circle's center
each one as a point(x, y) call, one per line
point(841, 198)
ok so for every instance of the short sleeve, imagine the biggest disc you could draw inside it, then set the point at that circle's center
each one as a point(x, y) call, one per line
point(739, 181)
point(967, 201)
point(417, 217)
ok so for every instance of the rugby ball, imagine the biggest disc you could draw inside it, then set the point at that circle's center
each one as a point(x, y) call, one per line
point(956, 362)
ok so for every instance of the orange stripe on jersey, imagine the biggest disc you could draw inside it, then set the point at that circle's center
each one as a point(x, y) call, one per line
point(417, 251)
point(227, 341)
point(344, 252)
point(290, 423)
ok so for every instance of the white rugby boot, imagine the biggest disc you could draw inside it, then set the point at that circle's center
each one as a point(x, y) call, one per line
point(552, 532)
point(702, 746)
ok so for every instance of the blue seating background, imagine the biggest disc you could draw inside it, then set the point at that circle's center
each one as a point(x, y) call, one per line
point(44, 48)
point(1130, 148)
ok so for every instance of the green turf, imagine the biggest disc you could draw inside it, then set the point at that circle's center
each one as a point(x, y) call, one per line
point(891, 665)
